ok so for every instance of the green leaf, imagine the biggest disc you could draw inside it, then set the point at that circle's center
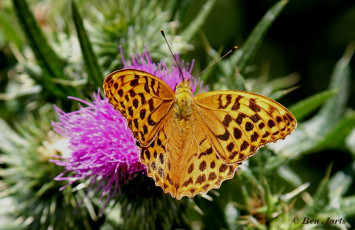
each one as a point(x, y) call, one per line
point(269, 199)
point(231, 214)
point(51, 64)
point(348, 205)
point(333, 109)
point(339, 185)
point(308, 105)
point(207, 73)
point(28, 177)
point(245, 198)
point(280, 93)
point(241, 57)
point(321, 197)
point(43, 52)
point(289, 175)
point(196, 24)
point(93, 69)
point(211, 211)
point(282, 82)
point(273, 163)
point(313, 132)
point(9, 30)
point(350, 141)
point(8, 137)
point(329, 203)
point(335, 138)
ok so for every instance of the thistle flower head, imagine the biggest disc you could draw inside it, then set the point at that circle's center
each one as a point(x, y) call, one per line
point(103, 147)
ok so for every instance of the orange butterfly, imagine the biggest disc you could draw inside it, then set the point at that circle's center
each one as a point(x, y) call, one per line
point(192, 144)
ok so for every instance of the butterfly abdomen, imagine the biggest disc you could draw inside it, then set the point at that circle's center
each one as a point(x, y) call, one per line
point(183, 101)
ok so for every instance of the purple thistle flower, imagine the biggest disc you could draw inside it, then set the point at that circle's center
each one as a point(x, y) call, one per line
point(103, 149)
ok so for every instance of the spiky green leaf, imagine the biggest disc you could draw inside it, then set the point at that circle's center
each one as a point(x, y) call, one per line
point(243, 55)
point(308, 105)
point(93, 69)
point(198, 21)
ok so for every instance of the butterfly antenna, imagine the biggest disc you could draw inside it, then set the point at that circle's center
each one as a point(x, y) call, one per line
point(225, 55)
point(177, 63)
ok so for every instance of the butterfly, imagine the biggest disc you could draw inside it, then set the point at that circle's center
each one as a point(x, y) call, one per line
point(191, 144)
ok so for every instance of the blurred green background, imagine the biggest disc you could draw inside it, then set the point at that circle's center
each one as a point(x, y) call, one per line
point(294, 59)
point(308, 37)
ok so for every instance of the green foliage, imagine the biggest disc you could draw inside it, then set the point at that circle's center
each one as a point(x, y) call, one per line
point(93, 69)
point(50, 63)
point(254, 40)
point(268, 191)
point(303, 108)
point(27, 178)
point(148, 203)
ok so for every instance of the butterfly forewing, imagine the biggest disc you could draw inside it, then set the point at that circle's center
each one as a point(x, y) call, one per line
point(142, 98)
point(238, 123)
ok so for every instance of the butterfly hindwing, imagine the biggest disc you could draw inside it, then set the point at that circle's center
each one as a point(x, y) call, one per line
point(238, 123)
point(185, 169)
point(140, 97)
point(204, 169)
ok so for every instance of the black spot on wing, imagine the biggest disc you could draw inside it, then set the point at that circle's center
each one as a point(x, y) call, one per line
point(150, 121)
point(237, 133)
point(202, 166)
point(228, 101)
point(120, 92)
point(253, 106)
point(236, 104)
point(271, 123)
point(244, 146)
point(135, 103)
point(249, 126)
point(142, 113)
point(134, 82)
point(108, 78)
point(132, 93)
point(224, 136)
point(240, 118)
point(143, 100)
point(227, 120)
point(205, 153)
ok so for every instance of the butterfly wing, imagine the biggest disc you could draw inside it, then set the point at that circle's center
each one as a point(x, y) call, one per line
point(143, 99)
point(182, 160)
point(194, 156)
point(238, 123)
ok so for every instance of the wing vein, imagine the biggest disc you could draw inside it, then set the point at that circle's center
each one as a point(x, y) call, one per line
point(213, 136)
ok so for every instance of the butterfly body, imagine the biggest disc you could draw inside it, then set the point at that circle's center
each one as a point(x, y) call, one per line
point(183, 101)
point(191, 144)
